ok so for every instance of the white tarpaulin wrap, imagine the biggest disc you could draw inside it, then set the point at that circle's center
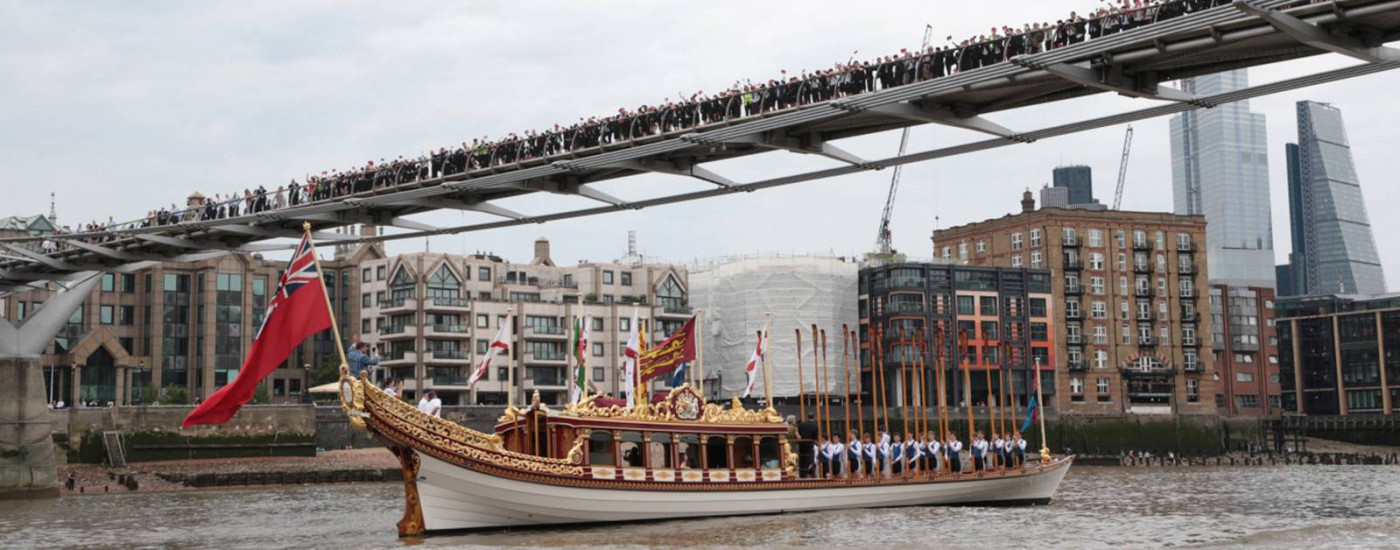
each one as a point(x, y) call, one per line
point(797, 291)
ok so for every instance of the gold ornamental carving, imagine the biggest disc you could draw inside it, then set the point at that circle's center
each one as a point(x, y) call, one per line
point(683, 403)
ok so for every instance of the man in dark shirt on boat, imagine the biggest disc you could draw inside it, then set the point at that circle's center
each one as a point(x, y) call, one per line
point(806, 435)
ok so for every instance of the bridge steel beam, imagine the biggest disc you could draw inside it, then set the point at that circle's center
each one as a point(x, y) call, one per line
point(1317, 37)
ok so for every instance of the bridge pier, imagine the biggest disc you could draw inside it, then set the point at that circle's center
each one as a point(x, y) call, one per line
point(28, 466)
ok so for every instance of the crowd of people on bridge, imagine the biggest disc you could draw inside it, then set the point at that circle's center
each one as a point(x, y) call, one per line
point(742, 99)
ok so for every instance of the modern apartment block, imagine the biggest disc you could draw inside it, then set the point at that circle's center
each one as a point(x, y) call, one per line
point(1005, 314)
point(1128, 301)
point(1220, 169)
point(1339, 354)
point(1334, 250)
point(434, 315)
point(187, 325)
point(1246, 350)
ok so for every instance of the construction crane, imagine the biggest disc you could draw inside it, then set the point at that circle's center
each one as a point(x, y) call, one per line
point(1123, 168)
point(884, 249)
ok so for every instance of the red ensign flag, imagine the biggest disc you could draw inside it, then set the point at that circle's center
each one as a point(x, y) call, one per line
point(298, 310)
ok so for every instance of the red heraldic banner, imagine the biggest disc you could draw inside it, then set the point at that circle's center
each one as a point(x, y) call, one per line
point(664, 358)
point(298, 310)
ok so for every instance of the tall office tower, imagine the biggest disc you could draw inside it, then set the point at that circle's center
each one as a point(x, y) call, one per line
point(1331, 232)
point(1291, 279)
point(1220, 169)
point(1080, 182)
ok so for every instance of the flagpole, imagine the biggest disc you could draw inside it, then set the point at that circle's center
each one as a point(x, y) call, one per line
point(767, 378)
point(510, 359)
point(846, 401)
point(700, 352)
point(1040, 398)
point(801, 390)
point(826, 386)
point(321, 277)
point(903, 383)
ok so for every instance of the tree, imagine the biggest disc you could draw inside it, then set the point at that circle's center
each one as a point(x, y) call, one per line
point(328, 371)
point(150, 393)
point(176, 395)
point(261, 396)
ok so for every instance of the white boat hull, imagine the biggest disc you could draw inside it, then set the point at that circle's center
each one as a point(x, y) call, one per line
point(457, 498)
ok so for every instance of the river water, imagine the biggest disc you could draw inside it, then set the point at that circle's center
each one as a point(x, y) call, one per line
point(1312, 507)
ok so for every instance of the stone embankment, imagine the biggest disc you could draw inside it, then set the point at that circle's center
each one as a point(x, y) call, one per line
point(355, 465)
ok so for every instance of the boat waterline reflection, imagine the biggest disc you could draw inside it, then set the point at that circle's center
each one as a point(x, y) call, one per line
point(1097, 507)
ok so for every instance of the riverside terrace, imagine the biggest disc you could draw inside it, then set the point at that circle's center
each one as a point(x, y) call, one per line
point(1131, 62)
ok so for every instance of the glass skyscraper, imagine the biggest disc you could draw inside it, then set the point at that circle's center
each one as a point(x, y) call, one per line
point(1220, 169)
point(1334, 250)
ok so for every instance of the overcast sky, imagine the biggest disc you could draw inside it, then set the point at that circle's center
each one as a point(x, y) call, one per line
point(121, 107)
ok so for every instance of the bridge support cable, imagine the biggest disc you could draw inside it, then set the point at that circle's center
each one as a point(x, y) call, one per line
point(1317, 37)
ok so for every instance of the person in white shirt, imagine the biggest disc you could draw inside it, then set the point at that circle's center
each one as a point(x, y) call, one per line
point(979, 453)
point(434, 404)
point(855, 456)
point(424, 404)
point(954, 452)
point(998, 451)
point(836, 458)
point(935, 452)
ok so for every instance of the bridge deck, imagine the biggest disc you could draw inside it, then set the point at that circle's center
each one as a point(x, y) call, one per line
point(1132, 63)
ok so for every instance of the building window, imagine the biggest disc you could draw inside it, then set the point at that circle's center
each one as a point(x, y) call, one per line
point(1101, 386)
point(966, 305)
point(1095, 238)
point(106, 315)
point(1139, 238)
point(126, 315)
point(1122, 261)
point(444, 287)
point(1039, 332)
point(1097, 284)
point(1076, 385)
point(365, 275)
point(607, 277)
point(947, 253)
point(1036, 261)
point(1099, 311)
point(989, 306)
point(598, 374)
point(1118, 237)
point(1096, 261)
point(483, 320)
point(981, 245)
point(1183, 241)
point(109, 282)
point(129, 283)
point(365, 300)
point(1072, 309)
point(1244, 377)
point(379, 273)
point(402, 287)
point(365, 327)
point(624, 325)
point(597, 323)
point(1038, 307)
point(962, 251)
point(1100, 359)
point(1193, 390)
point(1035, 238)
point(1070, 236)
point(598, 349)
point(1016, 261)
point(483, 274)
point(626, 278)
point(1100, 334)
point(1015, 241)
point(1127, 337)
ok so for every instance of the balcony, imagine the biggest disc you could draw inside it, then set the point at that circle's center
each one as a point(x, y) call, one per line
point(1186, 269)
point(455, 357)
point(1071, 242)
point(1185, 247)
point(1075, 290)
point(1148, 341)
point(1193, 368)
point(1077, 366)
point(444, 329)
point(1145, 316)
point(1142, 268)
point(451, 304)
point(1188, 293)
point(1073, 314)
point(1192, 317)
point(1142, 246)
point(1073, 265)
point(1074, 339)
point(1139, 372)
point(546, 383)
point(444, 380)
point(545, 332)
point(673, 310)
point(549, 359)
point(397, 332)
point(1191, 342)
point(903, 307)
point(1143, 292)
point(407, 358)
point(393, 305)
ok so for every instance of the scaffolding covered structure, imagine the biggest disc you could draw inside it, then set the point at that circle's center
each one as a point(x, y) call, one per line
point(798, 291)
